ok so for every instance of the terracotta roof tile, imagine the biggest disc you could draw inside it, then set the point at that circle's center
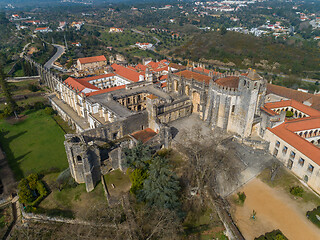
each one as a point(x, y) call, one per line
point(294, 94)
point(79, 84)
point(231, 82)
point(92, 59)
point(295, 104)
point(286, 130)
point(144, 135)
point(126, 72)
point(177, 66)
point(106, 90)
point(194, 75)
point(97, 77)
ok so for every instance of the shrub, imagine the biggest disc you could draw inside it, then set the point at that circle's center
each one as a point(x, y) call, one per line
point(49, 110)
point(33, 88)
point(289, 114)
point(32, 190)
point(241, 197)
point(274, 235)
point(314, 216)
point(296, 191)
point(7, 112)
point(39, 105)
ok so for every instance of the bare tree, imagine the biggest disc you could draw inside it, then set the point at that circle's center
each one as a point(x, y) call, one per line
point(207, 162)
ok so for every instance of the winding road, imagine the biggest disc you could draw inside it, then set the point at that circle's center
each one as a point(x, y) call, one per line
point(60, 51)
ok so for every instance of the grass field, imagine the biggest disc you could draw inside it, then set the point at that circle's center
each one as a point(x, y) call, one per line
point(72, 202)
point(34, 144)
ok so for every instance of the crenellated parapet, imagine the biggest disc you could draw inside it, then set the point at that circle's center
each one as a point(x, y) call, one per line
point(224, 89)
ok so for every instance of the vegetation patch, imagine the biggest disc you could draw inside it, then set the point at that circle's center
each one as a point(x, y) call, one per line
point(241, 198)
point(296, 191)
point(32, 190)
point(286, 180)
point(314, 216)
point(274, 235)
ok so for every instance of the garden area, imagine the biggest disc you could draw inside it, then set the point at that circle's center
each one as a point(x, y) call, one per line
point(33, 144)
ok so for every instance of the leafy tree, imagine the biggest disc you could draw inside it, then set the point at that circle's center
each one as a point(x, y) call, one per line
point(137, 178)
point(11, 104)
point(32, 181)
point(138, 157)
point(161, 187)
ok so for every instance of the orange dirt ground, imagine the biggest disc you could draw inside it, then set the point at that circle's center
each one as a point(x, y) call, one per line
point(274, 210)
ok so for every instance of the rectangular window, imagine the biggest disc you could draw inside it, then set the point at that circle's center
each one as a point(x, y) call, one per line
point(310, 168)
point(292, 155)
point(284, 150)
point(301, 162)
point(233, 107)
point(290, 163)
point(275, 152)
point(277, 144)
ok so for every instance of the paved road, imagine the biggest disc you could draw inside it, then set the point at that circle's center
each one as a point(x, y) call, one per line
point(24, 49)
point(60, 51)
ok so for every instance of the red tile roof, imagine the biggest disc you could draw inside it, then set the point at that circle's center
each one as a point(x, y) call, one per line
point(163, 77)
point(144, 135)
point(126, 72)
point(163, 85)
point(177, 66)
point(294, 94)
point(106, 90)
point(41, 28)
point(98, 77)
point(286, 130)
point(295, 104)
point(231, 82)
point(92, 59)
point(194, 75)
point(79, 84)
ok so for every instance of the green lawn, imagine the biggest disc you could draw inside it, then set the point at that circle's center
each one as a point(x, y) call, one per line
point(33, 145)
point(72, 201)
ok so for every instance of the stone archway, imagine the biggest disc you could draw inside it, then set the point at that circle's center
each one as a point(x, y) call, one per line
point(196, 102)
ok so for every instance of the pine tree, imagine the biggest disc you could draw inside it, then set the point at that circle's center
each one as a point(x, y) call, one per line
point(138, 157)
point(11, 104)
point(161, 188)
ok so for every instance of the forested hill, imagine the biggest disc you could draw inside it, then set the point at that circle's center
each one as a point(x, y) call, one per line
point(245, 51)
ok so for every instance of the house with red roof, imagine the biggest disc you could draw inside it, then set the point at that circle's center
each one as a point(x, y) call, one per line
point(91, 62)
point(42, 30)
point(144, 46)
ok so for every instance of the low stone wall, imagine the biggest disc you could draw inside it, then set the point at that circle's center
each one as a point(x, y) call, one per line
point(44, 218)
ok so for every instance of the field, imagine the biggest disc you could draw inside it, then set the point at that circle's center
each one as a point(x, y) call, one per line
point(34, 144)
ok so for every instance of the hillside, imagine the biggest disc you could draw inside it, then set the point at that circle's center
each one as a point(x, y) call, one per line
point(248, 51)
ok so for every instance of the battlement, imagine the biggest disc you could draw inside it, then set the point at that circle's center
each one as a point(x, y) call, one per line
point(224, 89)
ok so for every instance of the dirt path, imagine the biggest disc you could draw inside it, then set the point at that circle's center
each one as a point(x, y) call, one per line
point(275, 210)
